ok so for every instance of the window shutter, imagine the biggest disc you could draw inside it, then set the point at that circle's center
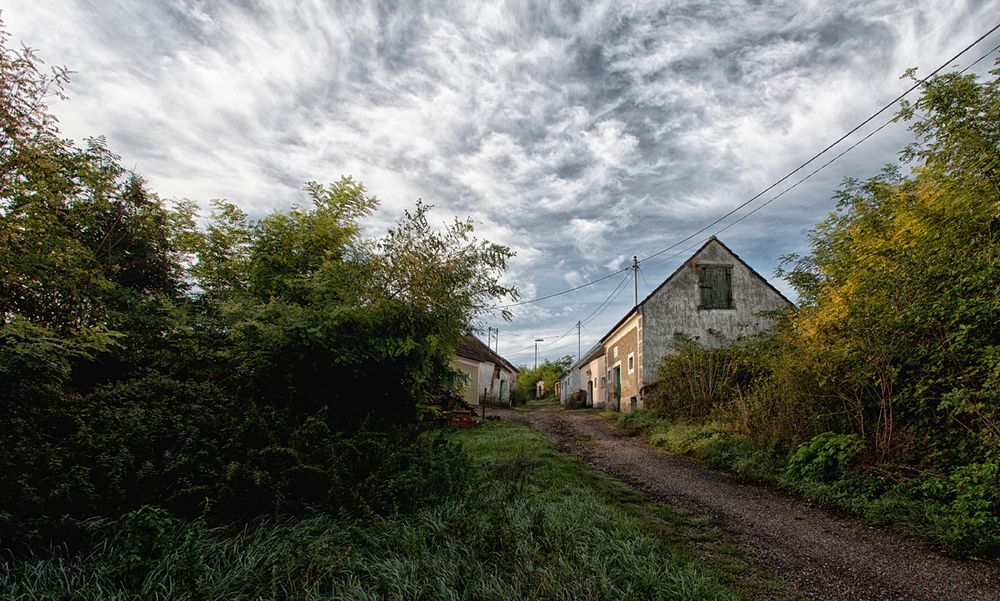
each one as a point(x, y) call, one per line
point(715, 286)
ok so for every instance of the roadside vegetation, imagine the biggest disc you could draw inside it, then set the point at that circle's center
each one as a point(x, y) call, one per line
point(880, 391)
point(172, 382)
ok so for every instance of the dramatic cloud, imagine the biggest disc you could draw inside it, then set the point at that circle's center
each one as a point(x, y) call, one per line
point(580, 135)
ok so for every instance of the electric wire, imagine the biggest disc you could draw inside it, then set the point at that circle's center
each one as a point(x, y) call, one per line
point(782, 179)
point(541, 298)
point(887, 106)
point(600, 308)
point(975, 62)
point(818, 169)
point(620, 287)
point(648, 287)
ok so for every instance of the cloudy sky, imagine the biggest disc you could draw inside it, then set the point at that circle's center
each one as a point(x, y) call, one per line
point(578, 134)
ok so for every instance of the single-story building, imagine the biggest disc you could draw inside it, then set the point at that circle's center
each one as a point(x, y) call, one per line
point(485, 374)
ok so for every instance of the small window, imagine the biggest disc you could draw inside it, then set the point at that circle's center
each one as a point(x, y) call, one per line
point(631, 363)
point(715, 287)
point(603, 381)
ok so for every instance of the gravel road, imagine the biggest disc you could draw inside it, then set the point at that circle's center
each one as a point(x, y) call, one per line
point(824, 555)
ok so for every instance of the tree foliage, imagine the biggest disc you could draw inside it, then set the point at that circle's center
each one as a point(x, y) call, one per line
point(901, 314)
point(892, 357)
point(241, 367)
point(548, 371)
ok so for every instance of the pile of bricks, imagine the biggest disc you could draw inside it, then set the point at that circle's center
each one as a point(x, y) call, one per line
point(460, 418)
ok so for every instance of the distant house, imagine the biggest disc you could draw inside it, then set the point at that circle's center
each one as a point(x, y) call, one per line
point(714, 297)
point(568, 385)
point(584, 381)
point(485, 374)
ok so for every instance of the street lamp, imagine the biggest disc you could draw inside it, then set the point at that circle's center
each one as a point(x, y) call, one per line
point(537, 340)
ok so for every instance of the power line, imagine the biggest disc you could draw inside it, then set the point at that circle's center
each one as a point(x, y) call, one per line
point(526, 349)
point(600, 308)
point(848, 149)
point(618, 293)
point(785, 177)
point(975, 62)
point(541, 298)
point(917, 84)
point(648, 287)
point(815, 171)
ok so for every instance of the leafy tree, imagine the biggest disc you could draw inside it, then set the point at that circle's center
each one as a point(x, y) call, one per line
point(900, 318)
point(548, 372)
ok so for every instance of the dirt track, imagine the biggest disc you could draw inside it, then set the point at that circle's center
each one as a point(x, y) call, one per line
point(824, 555)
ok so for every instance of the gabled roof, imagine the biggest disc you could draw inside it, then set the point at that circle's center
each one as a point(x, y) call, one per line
point(473, 348)
point(711, 239)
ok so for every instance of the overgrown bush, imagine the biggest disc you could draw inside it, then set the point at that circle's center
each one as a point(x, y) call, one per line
point(533, 525)
point(824, 458)
point(962, 508)
point(519, 394)
point(184, 446)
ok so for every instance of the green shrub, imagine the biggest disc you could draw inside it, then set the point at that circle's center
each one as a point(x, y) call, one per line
point(520, 395)
point(180, 445)
point(643, 421)
point(823, 458)
point(963, 508)
point(533, 526)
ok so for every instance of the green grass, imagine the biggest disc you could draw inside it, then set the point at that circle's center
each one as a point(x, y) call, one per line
point(536, 524)
point(693, 545)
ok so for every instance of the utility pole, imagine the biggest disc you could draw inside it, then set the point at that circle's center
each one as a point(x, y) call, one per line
point(635, 279)
point(496, 348)
point(578, 355)
point(537, 340)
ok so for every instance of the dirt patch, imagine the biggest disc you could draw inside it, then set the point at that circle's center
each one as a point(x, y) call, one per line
point(824, 555)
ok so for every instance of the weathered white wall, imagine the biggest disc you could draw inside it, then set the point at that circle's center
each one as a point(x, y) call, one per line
point(674, 308)
point(569, 384)
point(471, 370)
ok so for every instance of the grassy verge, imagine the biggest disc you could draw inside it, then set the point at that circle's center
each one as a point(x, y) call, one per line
point(950, 512)
point(536, 524)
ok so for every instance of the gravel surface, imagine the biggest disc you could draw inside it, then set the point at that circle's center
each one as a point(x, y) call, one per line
point(824, 555)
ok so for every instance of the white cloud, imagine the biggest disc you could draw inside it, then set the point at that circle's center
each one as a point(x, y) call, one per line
point(577, 135)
